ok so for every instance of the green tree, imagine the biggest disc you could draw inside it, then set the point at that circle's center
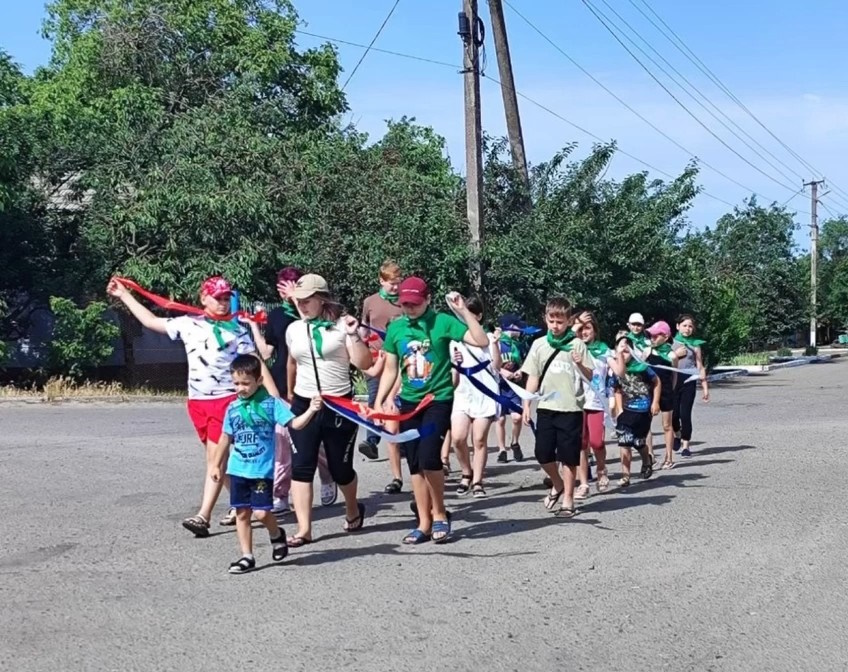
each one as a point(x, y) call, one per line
point(82, 338)
point(833, 275)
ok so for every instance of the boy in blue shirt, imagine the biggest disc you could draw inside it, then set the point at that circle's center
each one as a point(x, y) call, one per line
point(249, 426)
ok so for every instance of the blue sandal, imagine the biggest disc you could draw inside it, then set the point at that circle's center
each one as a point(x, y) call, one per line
point(441, 528)
point(416, 536)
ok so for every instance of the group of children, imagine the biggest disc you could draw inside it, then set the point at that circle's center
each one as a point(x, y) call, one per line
point(447, 380)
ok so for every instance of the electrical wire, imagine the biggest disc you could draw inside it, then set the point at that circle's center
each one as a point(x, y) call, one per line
point(598, 15)
point(681, 46)
point(373, 40)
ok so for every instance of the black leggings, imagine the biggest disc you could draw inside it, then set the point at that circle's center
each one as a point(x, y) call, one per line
point(684, 400)
point(338, 436)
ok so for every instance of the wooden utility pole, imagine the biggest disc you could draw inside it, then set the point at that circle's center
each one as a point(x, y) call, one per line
point(472, 40)
point(814, 257)
point(510, 98)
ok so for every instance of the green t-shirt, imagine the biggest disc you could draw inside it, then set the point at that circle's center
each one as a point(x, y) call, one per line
point(422, 347)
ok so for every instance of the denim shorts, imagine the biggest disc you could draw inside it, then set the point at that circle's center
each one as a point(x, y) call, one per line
point(251, 493)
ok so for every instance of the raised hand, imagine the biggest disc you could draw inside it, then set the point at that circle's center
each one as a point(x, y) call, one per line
point(351, 325)
point(116, 288)
point(286, 289)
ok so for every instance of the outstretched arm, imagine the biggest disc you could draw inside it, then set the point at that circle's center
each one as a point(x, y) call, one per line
point(141, 313)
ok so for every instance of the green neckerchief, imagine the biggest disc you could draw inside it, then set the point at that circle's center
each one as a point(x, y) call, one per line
point(639, 340)
point(252, 406)
point(416, 322)
point(318, 323)
point(512, 347)
point(220, 326)
point(391, 298)
point(663, 351)
point(290, 310)
point(636, 367)
point(597, 348)
point(562, 343)
point(689, 341)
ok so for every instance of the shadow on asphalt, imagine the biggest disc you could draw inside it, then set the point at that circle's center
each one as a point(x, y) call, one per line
point(336, 554)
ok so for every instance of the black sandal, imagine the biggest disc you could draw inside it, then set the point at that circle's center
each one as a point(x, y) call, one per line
point(352, 525)
point(463, 488)
point(394, 488)
point(280, 547)
point(566, 512)
point(242, 566)
point(647, 464)
point(197, 525)
point(477, 489)
point(446, 467)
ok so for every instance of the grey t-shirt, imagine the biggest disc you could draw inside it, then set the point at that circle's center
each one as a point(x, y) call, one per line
point(688, 361)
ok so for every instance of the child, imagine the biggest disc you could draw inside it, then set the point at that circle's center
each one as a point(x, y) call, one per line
point(660, 354)
point(513, 351)
point(552, 366)
point(632, 383)
point(249, 424)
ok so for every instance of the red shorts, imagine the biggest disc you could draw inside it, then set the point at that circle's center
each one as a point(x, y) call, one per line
point(207, 416)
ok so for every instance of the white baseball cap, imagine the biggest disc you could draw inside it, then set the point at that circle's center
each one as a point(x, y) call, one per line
point(636, 318)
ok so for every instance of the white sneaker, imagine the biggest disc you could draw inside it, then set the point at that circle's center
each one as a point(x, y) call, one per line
point(329, 494)
point(281, 507)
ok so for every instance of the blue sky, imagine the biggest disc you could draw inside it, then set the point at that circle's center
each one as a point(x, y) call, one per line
point(778, 57)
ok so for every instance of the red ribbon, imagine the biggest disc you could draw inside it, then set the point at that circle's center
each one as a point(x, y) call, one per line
point(365, 412)
point(260, 317)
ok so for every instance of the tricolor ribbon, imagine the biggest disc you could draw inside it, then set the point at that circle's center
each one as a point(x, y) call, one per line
point(260, 317)
point(351, 410)
point(692, 373)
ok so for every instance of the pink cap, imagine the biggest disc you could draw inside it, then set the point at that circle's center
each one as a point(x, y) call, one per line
point(659, 329)
point(216, 287)
point(413, 291)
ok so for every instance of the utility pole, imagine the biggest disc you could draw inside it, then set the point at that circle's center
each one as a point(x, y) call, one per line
point(510, 98)
point(471, 32)
point(814, 257)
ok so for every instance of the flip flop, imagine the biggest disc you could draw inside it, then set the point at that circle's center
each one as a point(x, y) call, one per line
point(551, 499)
point(354, 524)
point(566, 512)
point(416, 537)
point(298, 541)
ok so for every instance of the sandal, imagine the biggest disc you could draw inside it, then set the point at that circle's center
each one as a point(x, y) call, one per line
point(477, 489)
point(441, 531)
point(416, 537)
point(551, 499)
point(582, 492)
point(394, 488)
point(297, 541)
point(647, 466)
point(603, 482)
point(354, 524)
point(463, 488)
point(566, 512)
point(198, 525)
point(280, 547)
point(229, 520)
point(446, 467)
point(624, 481)
point(242, 566)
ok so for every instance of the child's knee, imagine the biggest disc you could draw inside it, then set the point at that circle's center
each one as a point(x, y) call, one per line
point(261, 515)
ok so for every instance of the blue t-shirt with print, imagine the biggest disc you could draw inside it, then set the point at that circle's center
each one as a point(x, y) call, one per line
point(252, 431)
point(637, 390)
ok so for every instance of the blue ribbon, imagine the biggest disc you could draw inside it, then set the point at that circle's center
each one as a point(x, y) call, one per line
point(380, 333)
point(505, 402)
point(402, 437)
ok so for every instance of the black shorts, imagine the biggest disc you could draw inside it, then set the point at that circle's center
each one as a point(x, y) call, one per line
point(667, 399)
point(632, 428)
point(251, 493)
point(559, 437)
point(425, 452)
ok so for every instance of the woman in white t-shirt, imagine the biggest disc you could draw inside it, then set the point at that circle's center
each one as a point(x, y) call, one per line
point(323, 346)
point(473, 411)
point(595, 407)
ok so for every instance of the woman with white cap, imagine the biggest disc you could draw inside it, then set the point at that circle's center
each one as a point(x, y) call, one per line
point(323, 345)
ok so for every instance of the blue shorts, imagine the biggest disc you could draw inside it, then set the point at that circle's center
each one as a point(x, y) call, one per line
point(251, 493)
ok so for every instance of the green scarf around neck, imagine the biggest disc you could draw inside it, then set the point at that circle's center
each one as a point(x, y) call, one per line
point(218, 329)
point(391, 298)
point(251, 407)
point(512, 347)
point(664, 351)
point(597, 348)
point(636, 367)
point(562, 343)
point(639, 340)
point(290, 310)
point(690, 341)
point(416, 321)
point(317, 324)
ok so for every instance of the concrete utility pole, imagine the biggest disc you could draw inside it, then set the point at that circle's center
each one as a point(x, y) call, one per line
point(510, 98)
point(814, 257)
point(470, 30)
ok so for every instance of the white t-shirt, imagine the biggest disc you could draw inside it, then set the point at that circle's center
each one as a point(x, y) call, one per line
point(209, 363)
point(472, 355)
point(596, 394)
point(333, 366)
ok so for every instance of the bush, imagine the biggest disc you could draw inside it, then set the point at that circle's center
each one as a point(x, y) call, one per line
point(811, 351)
point(82, 337)
point(784, 352)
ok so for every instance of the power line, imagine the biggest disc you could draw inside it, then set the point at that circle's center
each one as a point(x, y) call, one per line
point(597, 14)
point(381, 51)
point(625, 104)
point(681, 46)
point(702, 95)
point(373, 40)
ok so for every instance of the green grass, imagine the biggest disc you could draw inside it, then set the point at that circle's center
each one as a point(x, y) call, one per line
point(66, 388)
point(750, 359)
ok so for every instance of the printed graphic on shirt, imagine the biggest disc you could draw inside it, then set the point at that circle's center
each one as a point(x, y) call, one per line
point(253, 439)
point(636, 391)
point(417, 362)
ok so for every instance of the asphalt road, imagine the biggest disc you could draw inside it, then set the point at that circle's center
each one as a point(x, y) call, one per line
point(734, 560)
